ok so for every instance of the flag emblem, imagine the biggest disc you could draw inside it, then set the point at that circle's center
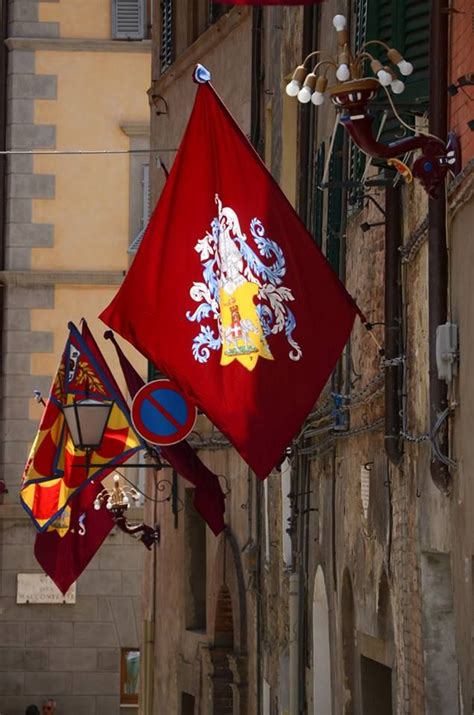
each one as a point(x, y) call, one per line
point(242, 299)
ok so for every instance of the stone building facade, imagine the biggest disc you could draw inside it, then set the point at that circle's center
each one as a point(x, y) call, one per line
point(344, 582)
point(72, 82)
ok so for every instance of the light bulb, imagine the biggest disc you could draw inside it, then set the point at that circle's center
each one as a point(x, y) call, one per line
point(406, 68)
point(317, 98)
point(116, 478)
point(96, 504)
point(339, 22)
point(109, 505)
point(304, 95)
point(397, 86)
point(293, 87)
point(385, 78)
point(343, 73)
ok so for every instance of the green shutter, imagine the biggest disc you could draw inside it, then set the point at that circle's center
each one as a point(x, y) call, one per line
point(405, 25)
point(318, 195)
point(153, 372)
point(333, 235)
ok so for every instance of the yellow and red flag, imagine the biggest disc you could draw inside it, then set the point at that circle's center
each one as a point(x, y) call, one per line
point(55, 471)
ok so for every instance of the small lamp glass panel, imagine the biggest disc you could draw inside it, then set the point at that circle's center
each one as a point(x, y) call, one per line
point(86, 421)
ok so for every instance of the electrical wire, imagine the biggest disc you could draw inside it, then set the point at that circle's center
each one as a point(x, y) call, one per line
point(79, 152)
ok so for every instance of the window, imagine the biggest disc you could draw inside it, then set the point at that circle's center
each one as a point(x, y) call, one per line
point(195, 569)
point(129, 676)
point(333, 236)
point(216, 10)
point(188, 703)
point(129, 19)
point(167, 35)
point(404, 24)
point(318, 195)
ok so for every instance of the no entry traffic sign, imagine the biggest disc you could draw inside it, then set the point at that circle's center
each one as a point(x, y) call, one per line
point(160, 413)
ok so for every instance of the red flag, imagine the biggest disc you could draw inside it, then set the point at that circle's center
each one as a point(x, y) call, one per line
point(55, 471)
point(65, 556)
point(228, 294)
point(209, 499)
point(66, 544)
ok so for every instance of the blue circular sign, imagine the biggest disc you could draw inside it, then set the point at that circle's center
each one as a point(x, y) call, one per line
point(161, 414)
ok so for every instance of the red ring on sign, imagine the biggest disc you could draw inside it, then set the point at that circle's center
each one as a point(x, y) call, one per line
point(162, 419)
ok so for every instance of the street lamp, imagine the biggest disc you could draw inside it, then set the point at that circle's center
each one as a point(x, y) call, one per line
point(352, 93)
point(86, 421)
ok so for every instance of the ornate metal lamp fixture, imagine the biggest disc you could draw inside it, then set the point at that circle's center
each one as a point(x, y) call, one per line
point(117, 501)
point(86, 421)
point(352, 93)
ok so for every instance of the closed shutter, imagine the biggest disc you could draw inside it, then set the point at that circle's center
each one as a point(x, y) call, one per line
point(167, 35)
point(128, 19)
point(333, 239)
point(356, 157)
point(318, 195)
point(146, 209)
point(404, 24)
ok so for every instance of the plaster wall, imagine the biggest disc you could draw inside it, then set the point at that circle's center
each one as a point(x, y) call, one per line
point(85, 19)
point(90, 206)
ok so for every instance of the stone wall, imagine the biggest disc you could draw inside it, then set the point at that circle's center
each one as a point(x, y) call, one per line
point(67, 651)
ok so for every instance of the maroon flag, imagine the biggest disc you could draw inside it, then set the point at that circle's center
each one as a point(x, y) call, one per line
point(63, 553)
point(66, 547)
point(228, 294)
point(209, 499)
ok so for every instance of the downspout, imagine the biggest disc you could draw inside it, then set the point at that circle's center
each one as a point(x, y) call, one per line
point(437, 248)
point(3, 172)
point(393, 242)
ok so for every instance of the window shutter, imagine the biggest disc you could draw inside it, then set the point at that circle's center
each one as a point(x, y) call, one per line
point(335, 202)
point(167, 34)
point(128, 19)
point(146, 209)
point(318, 195)
point(404, 24)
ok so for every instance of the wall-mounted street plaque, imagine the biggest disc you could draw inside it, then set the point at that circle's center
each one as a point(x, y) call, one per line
point(38, 588)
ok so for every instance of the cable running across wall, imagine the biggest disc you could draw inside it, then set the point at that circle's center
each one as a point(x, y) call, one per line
point(80, 152)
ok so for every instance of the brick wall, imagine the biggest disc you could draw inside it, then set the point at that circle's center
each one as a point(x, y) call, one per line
point(462, 62)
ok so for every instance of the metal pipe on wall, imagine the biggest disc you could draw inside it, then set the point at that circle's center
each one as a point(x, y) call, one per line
point(3, 172)
point(393, 242)
point(437, 248)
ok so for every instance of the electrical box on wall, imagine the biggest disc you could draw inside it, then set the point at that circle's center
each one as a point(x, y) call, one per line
point(447, 354)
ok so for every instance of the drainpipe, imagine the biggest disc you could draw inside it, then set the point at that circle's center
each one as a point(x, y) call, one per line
point(3, 171)
point(437, 249)
point(393, 242)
